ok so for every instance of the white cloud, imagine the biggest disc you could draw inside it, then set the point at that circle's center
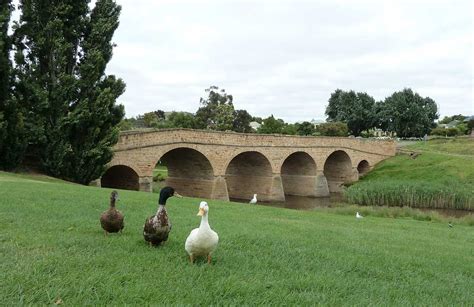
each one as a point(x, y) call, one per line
point(286, 57)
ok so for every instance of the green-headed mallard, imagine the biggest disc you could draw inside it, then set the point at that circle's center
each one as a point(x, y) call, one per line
point(157, 227)
point(202, 241)
point(112, 219)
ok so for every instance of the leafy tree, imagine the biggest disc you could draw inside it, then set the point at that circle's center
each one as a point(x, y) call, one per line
point(160, 114)
point(332, 129)
point(453, 131)
point(13, 139)
point(62, 53)
point(182, 120)
point(126, 124)
point(470, 125)
point(305, 128)
point(241, 122)
point(289, 129)
point(216, 111)
point(356, 109)
point(151, 119)
point(224, 117)
point(408, 114)
point(463, 128)
point(271, 125)
point(448, 119)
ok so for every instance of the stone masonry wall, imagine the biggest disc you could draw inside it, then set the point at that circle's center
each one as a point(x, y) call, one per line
point(212, 154)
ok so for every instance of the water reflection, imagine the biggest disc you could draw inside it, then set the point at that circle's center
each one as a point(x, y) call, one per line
point(301, 202)
point(311, 203)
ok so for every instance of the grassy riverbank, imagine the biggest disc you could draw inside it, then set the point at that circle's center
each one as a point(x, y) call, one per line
point(441, 176)
point(52, 248)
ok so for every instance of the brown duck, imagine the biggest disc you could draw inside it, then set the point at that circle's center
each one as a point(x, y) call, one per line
point(112, 219)
point(157, 227)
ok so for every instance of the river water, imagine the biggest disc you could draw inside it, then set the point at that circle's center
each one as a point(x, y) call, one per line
point(311, 203)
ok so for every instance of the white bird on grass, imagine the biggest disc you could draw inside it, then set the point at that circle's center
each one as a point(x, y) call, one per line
point(254, 199)
point(358, 216)
point(202, 241)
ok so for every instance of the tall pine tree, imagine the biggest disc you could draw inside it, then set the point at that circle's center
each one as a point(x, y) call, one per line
point(12, 133)
point(62, 50)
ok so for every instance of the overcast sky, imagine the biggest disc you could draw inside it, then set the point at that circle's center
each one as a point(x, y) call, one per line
point(286, 57)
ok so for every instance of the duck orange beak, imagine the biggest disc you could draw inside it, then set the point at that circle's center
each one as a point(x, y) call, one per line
point(201, 212)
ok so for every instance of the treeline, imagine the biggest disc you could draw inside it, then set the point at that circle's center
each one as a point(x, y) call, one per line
point(217, 112)
point(405, 113)
point(57, 106)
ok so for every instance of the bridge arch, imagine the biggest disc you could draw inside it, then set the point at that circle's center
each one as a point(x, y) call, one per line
point(248, 173)
point(363, 167)
point(338, 170)
point(298, 173)
point(120, 177)
point(189, 171)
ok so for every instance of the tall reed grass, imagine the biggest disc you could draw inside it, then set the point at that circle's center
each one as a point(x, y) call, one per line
point(411, 193)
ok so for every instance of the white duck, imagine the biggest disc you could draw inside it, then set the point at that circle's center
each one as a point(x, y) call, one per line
point(358, 216)
point(254, 199)
point(202, 241)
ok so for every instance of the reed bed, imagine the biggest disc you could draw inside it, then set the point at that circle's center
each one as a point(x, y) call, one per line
point(411, 193)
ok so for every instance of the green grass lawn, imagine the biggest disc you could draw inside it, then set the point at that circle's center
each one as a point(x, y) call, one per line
point(52, 247)
point(442, 176)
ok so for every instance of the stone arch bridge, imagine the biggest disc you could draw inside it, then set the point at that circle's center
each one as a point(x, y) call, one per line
point(224, 165)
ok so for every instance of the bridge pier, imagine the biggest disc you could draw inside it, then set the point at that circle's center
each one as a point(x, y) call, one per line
point(219, 189)
point(322, 187)
point(145, 183)
point(276, 190)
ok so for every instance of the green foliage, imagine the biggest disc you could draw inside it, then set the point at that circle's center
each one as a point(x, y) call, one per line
point(151, 119)
point(355, 109)
point(407, 113)
point(182, 120)
point(463, 128)
point(266, 256)
point(241, 122)
point(305, 128)
point(448, 119)
point(332, 129)
point(217, 110)
point(470, 124)
point(289, 129)
point(62, 53)
point(271, 125)
point(453, 131)
point(125, 125)
point(13, 140)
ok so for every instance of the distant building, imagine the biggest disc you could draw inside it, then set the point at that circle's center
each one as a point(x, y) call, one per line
point(377, 132)
point(469, 118)
point(255, 125)
point(453, 123)
point(317, 122)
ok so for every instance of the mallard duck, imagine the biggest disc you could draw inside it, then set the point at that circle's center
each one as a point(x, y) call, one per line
point(202, 241)
point(254, 199)
point(112, 219)
point(157, 227)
